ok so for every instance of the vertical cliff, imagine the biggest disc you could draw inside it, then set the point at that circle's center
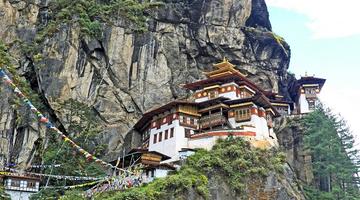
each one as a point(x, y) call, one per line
point(122, 73)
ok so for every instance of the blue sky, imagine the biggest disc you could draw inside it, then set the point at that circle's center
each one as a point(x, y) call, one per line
point(319, 47)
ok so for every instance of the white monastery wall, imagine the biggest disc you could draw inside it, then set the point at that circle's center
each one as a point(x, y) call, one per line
point(19, 195)
point(166, 146)
point(205, 142)
point(230, 95)
point(201, 99)
point(304, 105)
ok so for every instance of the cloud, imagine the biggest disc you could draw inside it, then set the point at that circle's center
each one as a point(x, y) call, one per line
point(327, 18)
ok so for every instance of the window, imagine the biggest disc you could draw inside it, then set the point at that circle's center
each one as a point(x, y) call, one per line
point(158, 124)
point(23, 184)
point(187, 133)
point(15, 183)
point(169, 119)
point(312, 105)
point(171, 132)
point(213, 94)
point(155, 138)
point(160, 136)
point(242, 94)
point(166, 134)
point(181, 119)
point(31, 184)
point(242, 114)
point(192, 121)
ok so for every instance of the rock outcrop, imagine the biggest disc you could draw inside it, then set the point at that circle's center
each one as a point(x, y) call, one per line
point(274, 187)
point(290, 132)
point(125, 73)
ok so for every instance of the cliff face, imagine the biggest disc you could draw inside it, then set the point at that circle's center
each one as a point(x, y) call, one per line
point(125, 73)
point(290, 132)
point(274, 187)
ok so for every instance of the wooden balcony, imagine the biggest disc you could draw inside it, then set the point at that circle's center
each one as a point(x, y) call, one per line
point(194, 126)
point(212, 121)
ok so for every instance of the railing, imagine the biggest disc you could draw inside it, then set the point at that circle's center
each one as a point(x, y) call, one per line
point(212, 120)
point(194, 126)
point(27, 189)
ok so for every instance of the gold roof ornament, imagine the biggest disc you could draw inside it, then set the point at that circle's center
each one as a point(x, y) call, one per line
point(223, 68)
point(224, 63)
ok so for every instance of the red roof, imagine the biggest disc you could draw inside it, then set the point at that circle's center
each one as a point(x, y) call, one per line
point(236, 77)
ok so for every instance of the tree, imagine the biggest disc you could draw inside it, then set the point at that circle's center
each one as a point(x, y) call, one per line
point(334, 158)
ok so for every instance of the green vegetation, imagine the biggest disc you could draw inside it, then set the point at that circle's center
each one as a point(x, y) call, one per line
point(4, 56)
point(278, 38)
point(21, 82)
point(83, 125)
point(334, 159)
point(3, 195)
point(232, 160)
point(90, 14)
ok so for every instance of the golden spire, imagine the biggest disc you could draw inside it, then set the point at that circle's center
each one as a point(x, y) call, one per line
point(224, 63)
point(224, 67)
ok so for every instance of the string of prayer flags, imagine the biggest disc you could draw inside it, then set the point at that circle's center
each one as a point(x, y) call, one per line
point(42, 119)
point(72, 178)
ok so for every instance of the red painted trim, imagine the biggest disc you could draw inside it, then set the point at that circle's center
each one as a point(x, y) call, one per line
point(224, 133)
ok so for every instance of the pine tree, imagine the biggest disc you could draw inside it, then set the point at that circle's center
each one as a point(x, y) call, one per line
point(334, 158)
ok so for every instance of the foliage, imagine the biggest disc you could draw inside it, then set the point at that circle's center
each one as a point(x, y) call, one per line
point(3, 195)
point(334, 158)
point(21, 82)
point(4, 56)
point(46, 194)
point(72, 195)
point(278, 38)
point(73, 164)
point(233, 159)
point(89, 14)
point(173, 185)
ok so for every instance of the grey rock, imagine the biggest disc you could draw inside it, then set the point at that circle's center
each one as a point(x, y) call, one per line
point(125, 73)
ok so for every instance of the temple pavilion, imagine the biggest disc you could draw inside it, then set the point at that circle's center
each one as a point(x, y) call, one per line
point(224, 104)
point(307, 89)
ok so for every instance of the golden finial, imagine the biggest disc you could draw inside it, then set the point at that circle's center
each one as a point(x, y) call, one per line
point(225, 60)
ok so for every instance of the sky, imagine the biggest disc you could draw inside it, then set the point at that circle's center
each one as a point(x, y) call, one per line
point(324, 37)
